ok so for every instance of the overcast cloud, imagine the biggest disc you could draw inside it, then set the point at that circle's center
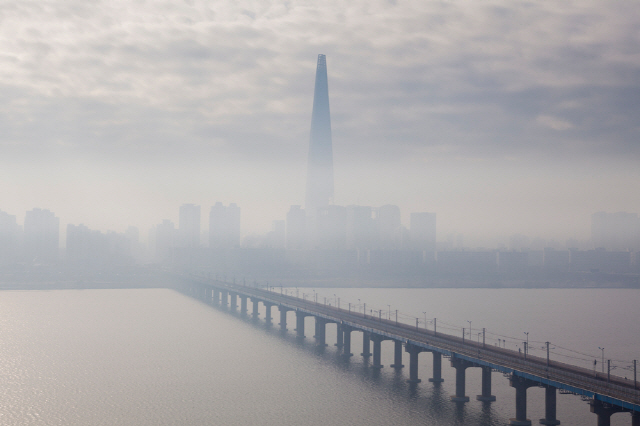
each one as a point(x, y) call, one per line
point(500, 116)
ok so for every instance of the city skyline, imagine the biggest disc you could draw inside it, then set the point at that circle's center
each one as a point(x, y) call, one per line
point(501, 118)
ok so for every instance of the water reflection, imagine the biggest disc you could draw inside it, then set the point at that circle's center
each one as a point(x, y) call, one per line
point(430, 401)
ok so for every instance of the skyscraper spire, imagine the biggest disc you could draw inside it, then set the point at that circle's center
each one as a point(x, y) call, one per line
point(320, 163)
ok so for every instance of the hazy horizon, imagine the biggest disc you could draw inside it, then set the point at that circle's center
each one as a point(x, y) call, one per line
point(501, 118)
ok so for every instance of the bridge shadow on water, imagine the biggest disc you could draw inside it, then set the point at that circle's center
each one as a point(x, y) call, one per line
point(429, 402)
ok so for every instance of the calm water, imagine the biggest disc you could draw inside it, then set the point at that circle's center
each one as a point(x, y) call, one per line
point(157, 357)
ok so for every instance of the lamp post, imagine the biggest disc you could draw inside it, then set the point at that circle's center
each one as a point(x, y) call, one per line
point(425, 320)
point(389, 306)
point(602, 349)
point(526, 348)
point(469, 328)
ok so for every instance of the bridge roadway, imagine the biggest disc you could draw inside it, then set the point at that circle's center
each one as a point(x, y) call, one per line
point(606, 395)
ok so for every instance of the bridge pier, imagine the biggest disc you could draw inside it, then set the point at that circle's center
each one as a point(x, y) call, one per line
point(635, 418)
point(243, 305)
point(521, 385)
point(321, 331)
point(255, 305)
point(216, 297)
point(234, 302)
point(605, 411)
point(397, 354)
point(414, 351)
point(267, 317)
point(549, 406)
point(486, 388)
point(283, 317)
point(377, 350)
point(366, 344)
point(300, 324)
point(224, 298)
point(437, 368)
point(346, 335)
point(339, 336)
point(461, 366)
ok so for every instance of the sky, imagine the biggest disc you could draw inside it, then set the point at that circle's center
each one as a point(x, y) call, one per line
point(502, 117)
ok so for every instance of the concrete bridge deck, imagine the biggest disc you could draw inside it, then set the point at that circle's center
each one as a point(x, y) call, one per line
point(614, 393)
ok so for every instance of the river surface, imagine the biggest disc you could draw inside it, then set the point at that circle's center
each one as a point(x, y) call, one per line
point(158, 357)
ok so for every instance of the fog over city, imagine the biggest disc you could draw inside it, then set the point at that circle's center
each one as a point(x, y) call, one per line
point(503, 118)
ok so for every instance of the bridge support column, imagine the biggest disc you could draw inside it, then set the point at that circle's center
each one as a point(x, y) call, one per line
point(377, 350)
point(635, 418)
point(437, 368)
point(413, 362)
point(339, 336)
point(321, 331)
point(224, 298)
point(267, 317)
point(255, 305)
point(549, 407)
point(283, 318)
point(300, 324)
point(397, 354)
point(461, 366)
point(486, 387)
point(346, 348)
point(521, 385)
point(234, 302)
point(605, 411)
point(366, 344)
point(243, 305)
point(216, 297)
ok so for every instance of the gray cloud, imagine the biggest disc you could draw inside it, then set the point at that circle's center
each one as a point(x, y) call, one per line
point(231, 82)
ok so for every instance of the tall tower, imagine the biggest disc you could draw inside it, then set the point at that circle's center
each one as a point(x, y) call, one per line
point(320, 164)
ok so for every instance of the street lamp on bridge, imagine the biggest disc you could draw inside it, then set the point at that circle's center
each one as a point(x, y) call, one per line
point(602, 349)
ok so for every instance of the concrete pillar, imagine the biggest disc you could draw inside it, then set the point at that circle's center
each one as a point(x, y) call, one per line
point(216, 296)
point(377, 350)
point(635, 418)
point(283, 318)
point(521, 385)
point(234, 302)
point(224, 298)
point(461, 366)
point(549, 407)
point(267, 317)
point(346, 349)
point(413, 362)
point(366, 344)
point(605, 411)
point(255, 304)
point(321, 328)
point(243, 305)
point(300, 324)
point(486, 387)
point(397, 354)
point(437, 368)
point(339, 336)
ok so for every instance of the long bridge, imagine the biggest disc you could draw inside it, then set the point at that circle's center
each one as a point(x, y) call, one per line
point(606, 394)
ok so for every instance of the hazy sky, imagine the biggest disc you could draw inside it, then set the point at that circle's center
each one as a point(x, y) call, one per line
point(502, 117)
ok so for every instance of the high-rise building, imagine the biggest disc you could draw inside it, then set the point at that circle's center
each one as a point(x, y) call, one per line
point(360, 230)
point(41, 236)
point(224, 226)
point(189, 226)
point(320, 163)
point(422, 231)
